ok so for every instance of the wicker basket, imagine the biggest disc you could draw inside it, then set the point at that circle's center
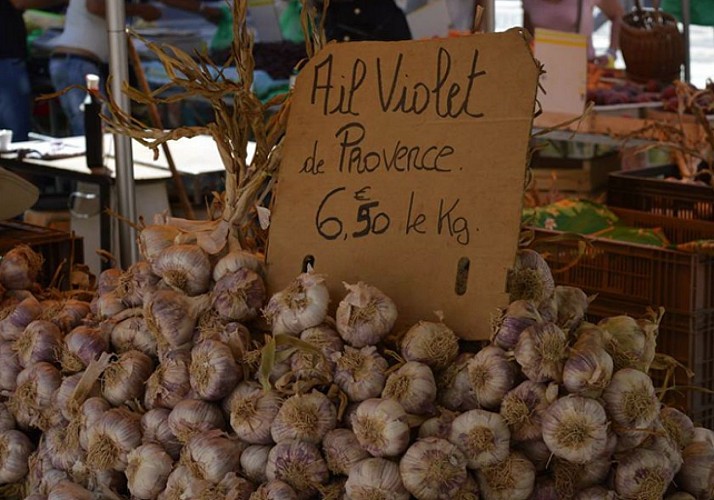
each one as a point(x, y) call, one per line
point(652, 46)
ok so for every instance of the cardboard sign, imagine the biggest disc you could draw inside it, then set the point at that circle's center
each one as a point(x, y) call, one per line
point(403, 167)
point(565, 59)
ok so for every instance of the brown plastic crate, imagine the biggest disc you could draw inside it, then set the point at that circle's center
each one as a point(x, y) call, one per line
point(55, 247)
point(688, 338)
point(650, 276)
point(647, 190)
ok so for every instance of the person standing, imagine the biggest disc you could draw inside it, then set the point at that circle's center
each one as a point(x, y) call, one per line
point(575, 16)
point(83, 48)
point(15, 90)
point(355, 20)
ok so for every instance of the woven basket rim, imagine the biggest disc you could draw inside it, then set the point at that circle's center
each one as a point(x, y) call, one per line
point(667, 20)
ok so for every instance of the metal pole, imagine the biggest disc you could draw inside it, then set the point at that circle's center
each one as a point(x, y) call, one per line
point(686, 18)
point(119, 70)
point(489, 16)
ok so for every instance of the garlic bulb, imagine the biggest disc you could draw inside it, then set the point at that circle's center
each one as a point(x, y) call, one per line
point(63, 447)
point(413, 386)
point(679, 426)
point(66, 490)
point(193, 416)
point(124, 378)
point(17, 319)
point(433, 344)
point(630, 342)
point(703, 435)
point(575, 429)
point(31, 403)
point(630, 399)
point(304, 417)
point(235, 260)
point(660, 441)
point(642, 474)
point(572, 304)
point(596, 493)
point(439, 426)
point(299, 464)
point(381, 427)
point(253, 462)
point(510, 479)
point(111, 438)
point(182, 483)
point(19, 267)
point(133, 334)
point(15, 449)
point(41, 341)
point(184, 267)
point(537, 452)
point(342, 451)
point(303, 304)
point(522, 408)
point(544, 489)
point(90, 413)
point(213, 372)
point(108, 280)
point(171, 316)
point(697, 473)
point(155, 238)
point(82, 345)
point(108, 305)
point(328, 341)
point(433, 468)
point(238, 296)
point(360, 373)
point(7, 421)
point(70, 402)
point(469, 490)
point(541, 352)
point(147, 471)
point(375, 478)
point(530, 278)
point(155, 429)
point(274, 490)
point(589, 367)
point(10, 367)
point(483, 436)
point(170, 382)
point(234, 487)
point(571, 477)
point(365, 316)
point(491, 376)
point(72, 313)
point(252, 412)
point(519, 315)
point(454, 389)
point(136, 283)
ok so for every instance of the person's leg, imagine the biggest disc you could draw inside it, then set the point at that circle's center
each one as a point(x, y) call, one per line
point(71, 71)
point(15, 98)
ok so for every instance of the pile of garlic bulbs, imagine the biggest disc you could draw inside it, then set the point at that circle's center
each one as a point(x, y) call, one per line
point(183, 380)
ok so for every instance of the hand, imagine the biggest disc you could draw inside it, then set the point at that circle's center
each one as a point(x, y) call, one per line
point(149, 12)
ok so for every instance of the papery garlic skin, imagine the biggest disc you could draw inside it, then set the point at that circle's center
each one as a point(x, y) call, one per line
point(302, 305)
point(630, 399)
point(491, 376)
point(136, 283)
point(15, 449)
point(530, 278)
point(211, 455)
point(433, 344)
point(82, 345)
point(572, 304)
point(252, 412)
point(12, 325)
point(32, 400)
point(510, 479)
point(19, 267)
point(439, 426)
point(184, 267)
point(304, 417)
point(375, 479)
point(537, 452)
point(213, 370)
point(433, 468)
point(170, 383)
point(381, 427)
point(238, 296)
point(483, 436)
point(147, 471)
point(41, 341)
point(274, 490)
point(171, 317)
point(235, 260)
point(90, 412)
point(697, 473)
point(299, 464)
point(124, 379)
point(678, 425)
point(234, 487)
point(155, 429)
point(253, 462)
point(642, 474)
point(342, 451)
point(111, 438)
point(72, 313)
point(194, 416)
point(571, 477)
point(630, 342)
point(7, 421)
point(67, 401)
point(365, 316)
point(519, 315)
point(596, 493)
point(454, 388)
point(66, 490)
point(589, 367)
point(360, 373)
point(575, 429)
point(413, 386)
point(182, 483)
point(132, 334)
point(541, 352)
point(522, 409)
point(10, 367)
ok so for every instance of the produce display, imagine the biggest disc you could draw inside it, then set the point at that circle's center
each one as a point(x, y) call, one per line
point(181, 379)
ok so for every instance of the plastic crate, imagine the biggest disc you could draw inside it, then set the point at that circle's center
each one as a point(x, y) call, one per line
point(679, 281)
point(647, 190)
point(56, 247)
point(688, 338)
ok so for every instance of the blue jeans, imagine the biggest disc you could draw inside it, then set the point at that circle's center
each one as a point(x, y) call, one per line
point(66, 71)
point(15, 98)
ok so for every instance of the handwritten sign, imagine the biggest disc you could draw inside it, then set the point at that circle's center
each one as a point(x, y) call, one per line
point(404, 167)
